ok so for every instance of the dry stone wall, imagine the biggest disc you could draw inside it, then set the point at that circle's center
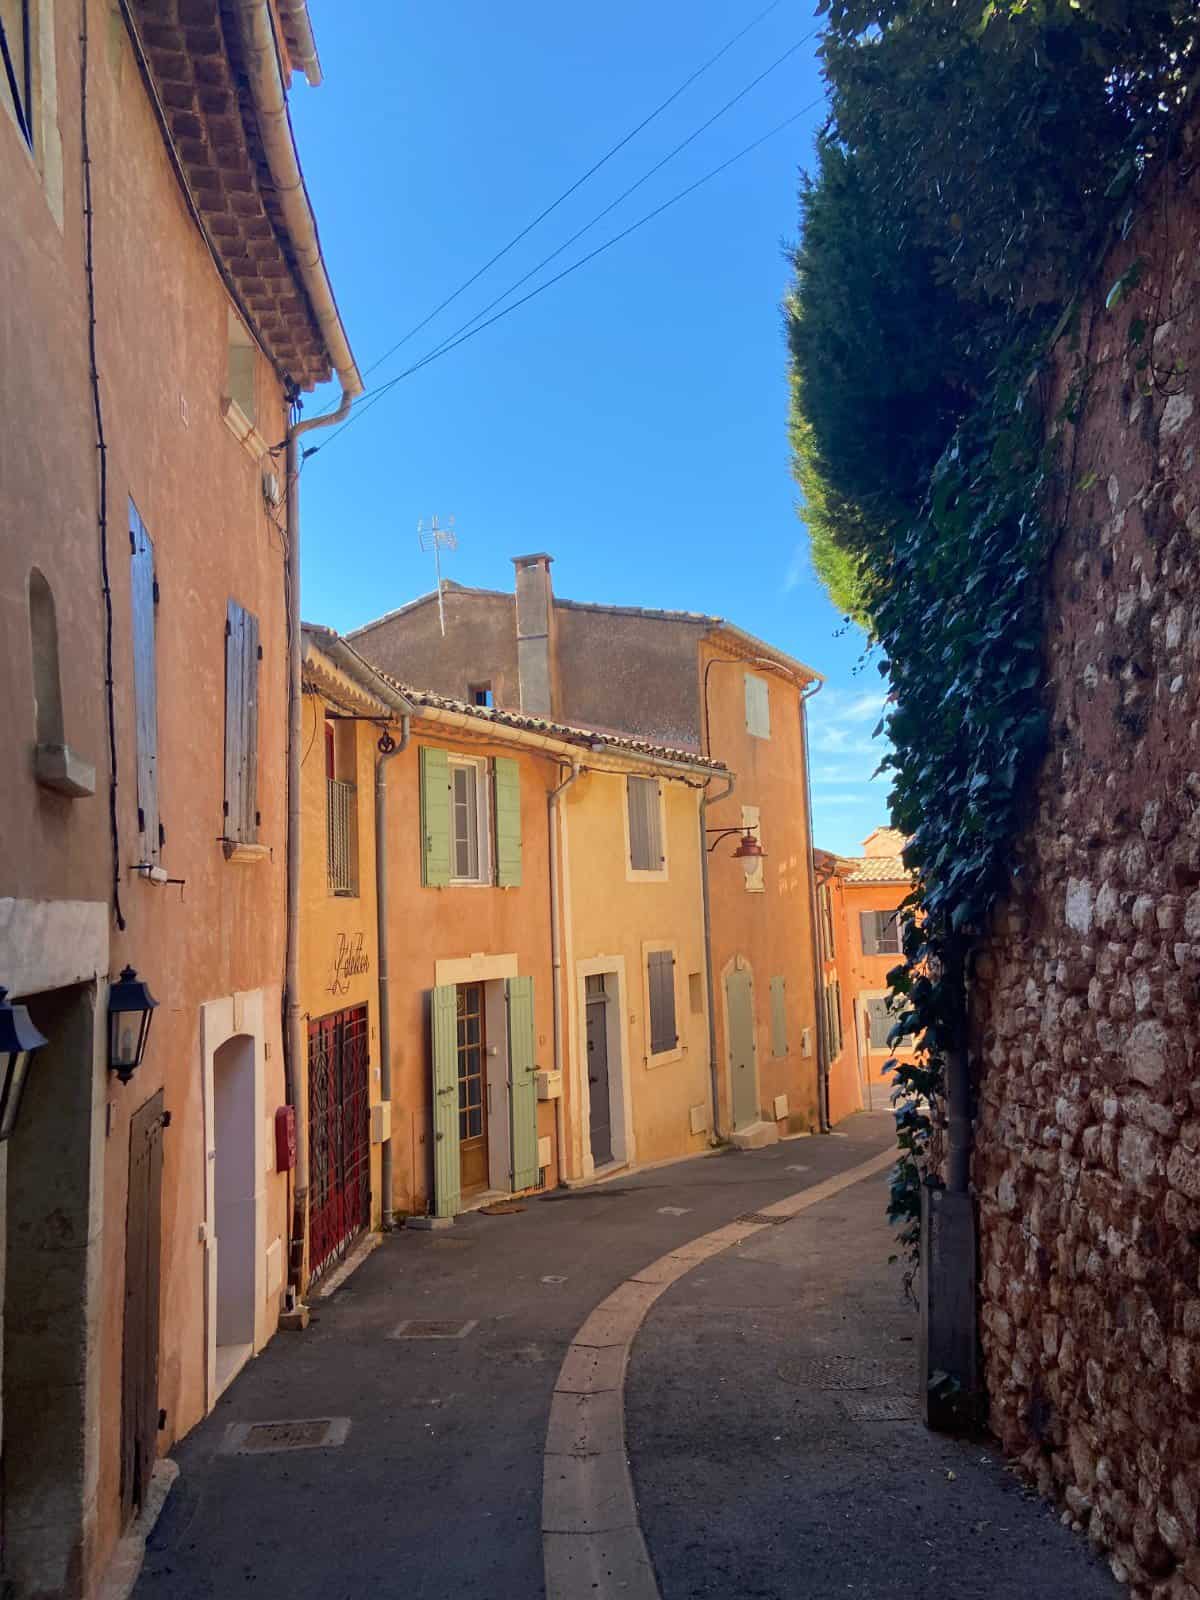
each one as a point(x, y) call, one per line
point(1086, 1008)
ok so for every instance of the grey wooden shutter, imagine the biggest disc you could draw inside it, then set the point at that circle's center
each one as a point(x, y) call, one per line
point(869, 923)
point(660, 973)
point(142, 599)
point(645, 825)
point(241, 724)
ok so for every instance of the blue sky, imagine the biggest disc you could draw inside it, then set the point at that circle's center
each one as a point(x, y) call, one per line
point(633, 419)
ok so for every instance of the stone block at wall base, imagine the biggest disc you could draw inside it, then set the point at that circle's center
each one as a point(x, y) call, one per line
point(755, 1136)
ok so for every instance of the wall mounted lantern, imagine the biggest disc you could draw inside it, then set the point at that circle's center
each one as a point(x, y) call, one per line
point(130, 1010)
point(19, 1040)
point(749, 852)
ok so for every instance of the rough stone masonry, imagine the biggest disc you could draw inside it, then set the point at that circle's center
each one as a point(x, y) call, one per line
point(1086, 1008)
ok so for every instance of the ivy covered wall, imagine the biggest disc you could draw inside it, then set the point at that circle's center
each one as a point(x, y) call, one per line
point(1085, 999)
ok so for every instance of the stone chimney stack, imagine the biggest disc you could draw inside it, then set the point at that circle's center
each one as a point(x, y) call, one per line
point(535, 633)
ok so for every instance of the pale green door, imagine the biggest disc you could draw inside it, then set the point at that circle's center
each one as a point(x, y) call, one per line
point(743, 1071)
point(522, 1072)
point(447, 1174)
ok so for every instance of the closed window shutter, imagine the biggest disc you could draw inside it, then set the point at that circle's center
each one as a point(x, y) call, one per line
point(645, 825)
point(508, 823)
point(435, 818)
point(241, 724)
point(778, 1017)
point(881, 1020)
point(145, 684)
point(660, 972)
point(758, 707)
point(869, 924)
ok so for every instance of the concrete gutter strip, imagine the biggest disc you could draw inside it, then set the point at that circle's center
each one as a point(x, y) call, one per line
point(592, 1542)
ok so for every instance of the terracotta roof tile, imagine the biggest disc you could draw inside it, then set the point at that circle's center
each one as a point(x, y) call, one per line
point(876, 869)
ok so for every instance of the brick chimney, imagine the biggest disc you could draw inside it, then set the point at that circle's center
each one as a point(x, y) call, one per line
point(535, 633)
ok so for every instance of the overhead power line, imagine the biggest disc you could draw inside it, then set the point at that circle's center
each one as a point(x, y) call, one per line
point(443, 349)
point(578, 183)
point(637, 184)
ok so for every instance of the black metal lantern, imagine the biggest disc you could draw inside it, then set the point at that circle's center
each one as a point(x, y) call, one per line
point(130, 1009)
point(19, 1040)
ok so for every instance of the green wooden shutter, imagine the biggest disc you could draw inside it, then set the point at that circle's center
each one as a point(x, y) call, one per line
point(508, 823)
point(241, 724)
point(435, 818)
point(522, 1094)
point(143, 599)
point(778, 1017)
point(447, 1170)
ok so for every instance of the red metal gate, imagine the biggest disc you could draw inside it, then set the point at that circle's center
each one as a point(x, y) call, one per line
point(339, 1191)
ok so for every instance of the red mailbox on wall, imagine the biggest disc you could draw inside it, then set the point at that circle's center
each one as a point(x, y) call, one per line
point(285, 1138)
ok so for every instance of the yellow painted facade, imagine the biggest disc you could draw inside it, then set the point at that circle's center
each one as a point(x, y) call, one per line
point(617, 919)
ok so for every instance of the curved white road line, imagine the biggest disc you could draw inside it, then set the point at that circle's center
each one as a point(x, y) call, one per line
point(592, 1542)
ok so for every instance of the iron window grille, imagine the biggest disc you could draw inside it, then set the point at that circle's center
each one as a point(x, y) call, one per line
point(341, 816)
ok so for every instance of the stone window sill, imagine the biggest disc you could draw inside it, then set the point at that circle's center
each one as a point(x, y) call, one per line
point(243, 430)
point(57, 767)
point(235, 850)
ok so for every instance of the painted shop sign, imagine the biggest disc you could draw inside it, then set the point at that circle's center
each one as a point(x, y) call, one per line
point(350, 961)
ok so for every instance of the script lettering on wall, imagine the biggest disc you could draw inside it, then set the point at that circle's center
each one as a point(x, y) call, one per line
point(350, 960)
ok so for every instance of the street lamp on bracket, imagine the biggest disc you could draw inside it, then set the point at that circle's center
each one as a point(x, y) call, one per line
point(749, 852)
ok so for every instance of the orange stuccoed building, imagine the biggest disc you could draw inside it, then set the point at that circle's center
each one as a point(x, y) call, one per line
point(858, 901)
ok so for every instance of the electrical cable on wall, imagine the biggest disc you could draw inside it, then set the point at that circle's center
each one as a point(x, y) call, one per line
point(102, 453)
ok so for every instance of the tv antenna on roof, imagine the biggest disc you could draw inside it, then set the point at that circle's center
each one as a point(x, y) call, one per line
point(437, 539)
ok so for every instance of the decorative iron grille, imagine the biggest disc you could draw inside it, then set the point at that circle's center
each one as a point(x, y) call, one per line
point(339, 1135)
point(341, 813)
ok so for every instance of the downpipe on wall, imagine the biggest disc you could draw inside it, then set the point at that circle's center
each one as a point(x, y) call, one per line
point(714, 1070)
point(806, 694)
point(552, 803)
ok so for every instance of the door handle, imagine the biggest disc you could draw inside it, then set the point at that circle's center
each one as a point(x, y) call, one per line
point(592, 1078)
point(449, 1089)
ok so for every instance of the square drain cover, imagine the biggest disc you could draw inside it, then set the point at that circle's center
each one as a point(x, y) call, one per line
point(263, 1438)
point(845, 1372)
point(879, 1408)
point(763, 1217)
point(432, 1328)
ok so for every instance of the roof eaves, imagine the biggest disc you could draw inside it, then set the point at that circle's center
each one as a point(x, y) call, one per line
point(448, 587)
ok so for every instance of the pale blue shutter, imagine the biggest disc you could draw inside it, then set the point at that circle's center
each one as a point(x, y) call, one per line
point(660, 976)
point(435, 818)
point(447, 1170)
point(522, 1095)
point(869, 925)
point(508, 823)
point(145, 684)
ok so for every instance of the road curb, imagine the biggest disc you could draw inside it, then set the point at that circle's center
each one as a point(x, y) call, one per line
point(592, 1541)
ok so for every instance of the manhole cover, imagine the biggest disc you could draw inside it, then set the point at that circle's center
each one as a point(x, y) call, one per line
point(843, 1372)
point(763, 1217)
point(262, 1438)
point(879, 1408)
point(432, 1328)
point(673, 1211)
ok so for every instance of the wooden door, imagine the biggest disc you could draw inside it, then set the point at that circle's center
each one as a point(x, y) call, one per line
point(599, 1099)
point(143, 1233)
point(472, 1089)
point(743, 1072)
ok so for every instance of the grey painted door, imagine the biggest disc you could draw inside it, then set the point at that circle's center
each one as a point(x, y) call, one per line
point(599, 1099)
point(739, 1006)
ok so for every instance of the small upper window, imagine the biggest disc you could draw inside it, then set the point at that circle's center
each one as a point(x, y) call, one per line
point(758, 707)
point(47, 687)
point(480, 694)
point(240, 376)
point(16, 64)
point(880, 933)
point(341, 806)
point(469, 835)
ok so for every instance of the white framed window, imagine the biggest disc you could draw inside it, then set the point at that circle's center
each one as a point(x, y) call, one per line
point(644, 827)
point(880, 932)
point(470, 830)
point(758, 707)
point(881, 1014)
point(240, 372)
point(756, 881)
